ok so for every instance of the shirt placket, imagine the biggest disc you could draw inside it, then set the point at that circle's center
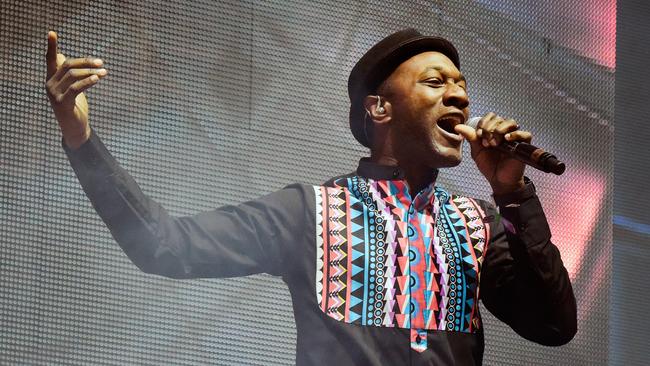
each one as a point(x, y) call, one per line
point(419, 236)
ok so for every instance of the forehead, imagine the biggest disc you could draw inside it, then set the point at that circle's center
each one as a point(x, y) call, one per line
point(426, 61)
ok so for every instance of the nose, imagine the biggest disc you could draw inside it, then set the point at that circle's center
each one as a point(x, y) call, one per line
point(455, 96)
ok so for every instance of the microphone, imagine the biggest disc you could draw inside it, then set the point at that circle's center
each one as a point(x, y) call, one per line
point(527, 153)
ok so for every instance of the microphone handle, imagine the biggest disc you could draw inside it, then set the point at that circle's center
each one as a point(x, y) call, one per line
point(533, 156)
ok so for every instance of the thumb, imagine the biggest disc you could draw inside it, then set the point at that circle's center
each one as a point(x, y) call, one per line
point(468, 133)
point(50, 56)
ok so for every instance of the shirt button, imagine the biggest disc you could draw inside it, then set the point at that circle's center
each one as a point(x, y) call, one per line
point(418, 339)
point(395, 173)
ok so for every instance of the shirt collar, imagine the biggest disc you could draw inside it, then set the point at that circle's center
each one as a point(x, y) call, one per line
point(370, 169)
point(375, 171)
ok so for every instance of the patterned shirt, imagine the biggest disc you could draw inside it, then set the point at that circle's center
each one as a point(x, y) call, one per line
point(377, 277)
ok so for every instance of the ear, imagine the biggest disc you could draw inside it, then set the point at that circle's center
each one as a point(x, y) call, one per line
point(370, 105)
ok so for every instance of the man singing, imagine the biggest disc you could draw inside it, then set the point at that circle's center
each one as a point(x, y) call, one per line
point(384, 266)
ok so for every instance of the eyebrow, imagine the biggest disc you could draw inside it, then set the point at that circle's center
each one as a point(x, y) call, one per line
point(442, 71)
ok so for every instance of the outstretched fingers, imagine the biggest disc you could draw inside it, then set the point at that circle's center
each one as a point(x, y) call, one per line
point(78, 87)
point(67, 78)
point(65, 66)
point(73, 76)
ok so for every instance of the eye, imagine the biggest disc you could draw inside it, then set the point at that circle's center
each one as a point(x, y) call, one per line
point(434, 82)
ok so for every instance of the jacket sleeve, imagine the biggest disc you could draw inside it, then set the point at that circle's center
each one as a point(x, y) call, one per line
point(229, 241)
point(523, 280)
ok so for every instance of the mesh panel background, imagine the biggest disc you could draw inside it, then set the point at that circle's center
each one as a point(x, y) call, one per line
point(212, 103)
point(629, 331)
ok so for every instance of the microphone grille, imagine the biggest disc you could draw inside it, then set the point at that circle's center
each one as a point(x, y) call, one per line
point(473, 122)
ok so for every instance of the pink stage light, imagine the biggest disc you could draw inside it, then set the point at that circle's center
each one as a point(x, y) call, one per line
point(586, 26)
point(572, 219)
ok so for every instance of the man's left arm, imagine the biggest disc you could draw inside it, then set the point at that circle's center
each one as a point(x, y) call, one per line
point(523, 280)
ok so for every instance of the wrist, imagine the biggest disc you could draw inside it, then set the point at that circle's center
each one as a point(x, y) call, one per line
point(516, 198)
point(502, 189)
point(75, 140)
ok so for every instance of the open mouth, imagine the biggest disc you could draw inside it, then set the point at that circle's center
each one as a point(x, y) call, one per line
point(448, 122)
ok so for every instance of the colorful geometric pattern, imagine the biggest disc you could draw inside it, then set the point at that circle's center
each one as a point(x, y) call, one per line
point(384, 259)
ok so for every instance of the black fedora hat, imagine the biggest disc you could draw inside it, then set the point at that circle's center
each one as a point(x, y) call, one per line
point(380, 61)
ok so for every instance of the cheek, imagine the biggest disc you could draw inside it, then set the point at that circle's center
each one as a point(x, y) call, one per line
point(416, 110)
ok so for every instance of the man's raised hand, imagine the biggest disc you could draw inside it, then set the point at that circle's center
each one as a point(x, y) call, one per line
point(65, 83)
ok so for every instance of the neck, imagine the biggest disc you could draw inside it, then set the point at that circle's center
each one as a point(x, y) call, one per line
point(417, 175)
point(385, 151)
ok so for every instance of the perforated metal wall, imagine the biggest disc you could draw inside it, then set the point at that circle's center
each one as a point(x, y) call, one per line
point(629, 334)
point(209, 103)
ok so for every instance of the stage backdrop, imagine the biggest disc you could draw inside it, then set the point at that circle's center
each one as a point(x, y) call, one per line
point(210, 103)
